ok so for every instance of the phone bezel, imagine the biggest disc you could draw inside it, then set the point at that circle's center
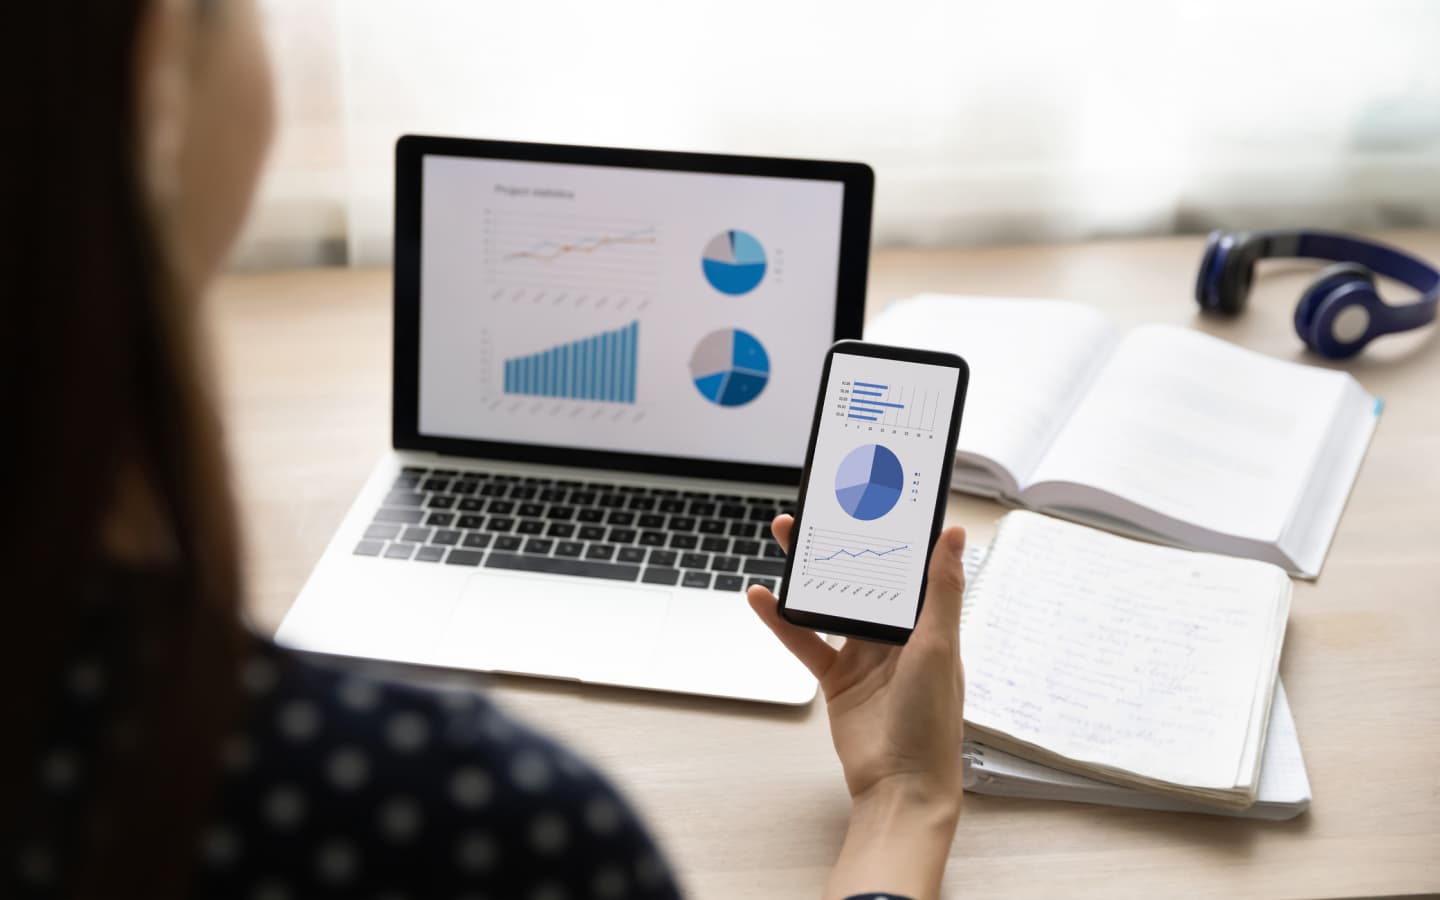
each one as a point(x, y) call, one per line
point(858, 628)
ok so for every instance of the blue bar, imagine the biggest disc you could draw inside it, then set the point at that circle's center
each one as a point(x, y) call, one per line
point(878, 412)
point(862, 418)
point(552, 377)
point(508, 387)
point(878, 387)
point(878, 403)
point(631, 334)
point(592, 379)
point(607, 372)
point(565, 370)
point(868, 393)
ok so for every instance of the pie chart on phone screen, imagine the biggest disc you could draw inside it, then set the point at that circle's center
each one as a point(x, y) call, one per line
point(869, 482)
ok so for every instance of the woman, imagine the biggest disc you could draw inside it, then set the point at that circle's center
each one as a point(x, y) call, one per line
point(155, 749)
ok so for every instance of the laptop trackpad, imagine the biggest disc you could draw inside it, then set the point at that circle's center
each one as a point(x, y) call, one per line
point(539, 626)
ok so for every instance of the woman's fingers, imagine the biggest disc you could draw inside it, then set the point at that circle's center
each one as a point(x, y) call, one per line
point(946, 585)
point(781, 528)
point(806, 645)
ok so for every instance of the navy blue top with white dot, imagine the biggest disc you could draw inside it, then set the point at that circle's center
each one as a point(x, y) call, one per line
point(343, 785)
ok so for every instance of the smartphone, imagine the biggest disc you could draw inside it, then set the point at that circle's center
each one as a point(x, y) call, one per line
point(873, 490)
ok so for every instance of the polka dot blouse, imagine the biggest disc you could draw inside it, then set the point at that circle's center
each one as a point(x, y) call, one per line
point(342, 785)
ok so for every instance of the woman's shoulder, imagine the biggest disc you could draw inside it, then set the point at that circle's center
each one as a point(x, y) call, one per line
point(338, 779)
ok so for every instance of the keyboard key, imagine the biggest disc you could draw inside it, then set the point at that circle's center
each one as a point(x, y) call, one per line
point(430, 554)
point(531, 510)
point(500, 523)
point(612, 501)
point(568, 484)
point(507, 478)
point(414, 470)
point(539, 545)
point(446, 537)
point(441, 501)
point(745, 548)
point(732, 511)
point(620, 517)
point(661, 576)
point(399, 551)
point(477, 539)
point(462, 488)
point(436, 484)
point(415, 535)
point(744, 529)
point(773, 567)
point(530, 526)
point(684, 541)
point(474, 475)
point(552, 495)
point(727, 498)
point(622, 536)
point(663, 557)
point(534, 480)
point(694, 560)
point(725, 564)
point(444, 473)
point(493, 489)
point(440, 520)
point(774, 551)
point(766, 583)
point(572, 549)
point(762, 513)
point(406, 483)
point(369, 548)
point(582, 498)
point(701, 508)
point(672, 505)
point(464, 558)
point(642, 503)
point(728, 583)
point(651, 520)
point(561, 513)
point(711, 526)
point(696, 580)
point(524, 493)
point(593, 514)
point(560, 530)
point(404, 498)
point(652, 539)
point(604, 551)
point(592, 533)
point(714, 544)
point(470, 522)
point(402, 516)
point(681, 523)
point(470, 504)
point(632, 554)
point(508, 542)
point(665, 492)
point(631, 489)
point(379, 532)
point(695, 495)
point(501, 507)
point(559, 566)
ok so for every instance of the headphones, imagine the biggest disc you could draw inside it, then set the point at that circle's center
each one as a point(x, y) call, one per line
point(1340, 312)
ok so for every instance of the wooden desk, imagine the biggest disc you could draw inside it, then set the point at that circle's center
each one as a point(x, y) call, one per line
point(748, 800)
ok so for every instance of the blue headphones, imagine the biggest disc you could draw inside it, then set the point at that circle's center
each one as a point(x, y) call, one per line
point(1340, 312)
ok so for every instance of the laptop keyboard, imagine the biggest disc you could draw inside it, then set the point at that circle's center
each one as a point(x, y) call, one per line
point(631, 533)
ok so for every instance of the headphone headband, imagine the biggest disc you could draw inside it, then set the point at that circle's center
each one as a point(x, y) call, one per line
point(1379, 258)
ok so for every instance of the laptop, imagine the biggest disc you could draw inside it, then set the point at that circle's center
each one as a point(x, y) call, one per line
point(605, 367)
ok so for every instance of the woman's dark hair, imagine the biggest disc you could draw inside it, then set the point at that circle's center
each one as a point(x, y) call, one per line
point(103, 387)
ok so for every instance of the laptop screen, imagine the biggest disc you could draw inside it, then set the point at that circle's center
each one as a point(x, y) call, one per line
point(657, 312)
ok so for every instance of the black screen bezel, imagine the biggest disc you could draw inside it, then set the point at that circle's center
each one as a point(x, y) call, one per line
point(872, 631)
point(410, 150)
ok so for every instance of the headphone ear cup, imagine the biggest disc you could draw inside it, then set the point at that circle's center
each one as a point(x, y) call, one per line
point(1342, 279)
point(1207, 277)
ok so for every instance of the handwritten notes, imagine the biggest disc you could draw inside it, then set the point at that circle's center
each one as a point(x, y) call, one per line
point(1116, 655)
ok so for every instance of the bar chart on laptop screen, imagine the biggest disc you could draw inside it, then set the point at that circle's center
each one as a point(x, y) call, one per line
point(871, 405)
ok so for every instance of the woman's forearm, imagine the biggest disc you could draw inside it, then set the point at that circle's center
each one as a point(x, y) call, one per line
point(896, 844)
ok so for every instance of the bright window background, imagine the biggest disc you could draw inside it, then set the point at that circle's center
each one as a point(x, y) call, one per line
point(1004, 121)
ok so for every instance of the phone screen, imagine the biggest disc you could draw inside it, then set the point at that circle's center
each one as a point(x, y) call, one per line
point(880, 463)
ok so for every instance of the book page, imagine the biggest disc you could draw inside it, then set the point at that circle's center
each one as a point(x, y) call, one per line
point(1198, 430)
point(1110, 652)
point(1030, 362)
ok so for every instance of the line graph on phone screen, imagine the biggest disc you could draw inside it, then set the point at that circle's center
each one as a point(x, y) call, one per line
point(846, 562)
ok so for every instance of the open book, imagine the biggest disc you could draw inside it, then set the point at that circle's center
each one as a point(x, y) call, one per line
point(1128, 663)
point(1164, 433)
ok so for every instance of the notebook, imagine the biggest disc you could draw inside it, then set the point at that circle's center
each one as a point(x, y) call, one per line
point(1162, 433)
point(1143, 666)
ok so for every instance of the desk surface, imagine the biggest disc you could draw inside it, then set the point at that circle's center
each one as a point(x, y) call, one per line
point(748, 800)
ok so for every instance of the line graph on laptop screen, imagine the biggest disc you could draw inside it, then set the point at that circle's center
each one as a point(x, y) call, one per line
point(632, 310)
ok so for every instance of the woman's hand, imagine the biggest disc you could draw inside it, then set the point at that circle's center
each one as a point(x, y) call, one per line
point(896, 720)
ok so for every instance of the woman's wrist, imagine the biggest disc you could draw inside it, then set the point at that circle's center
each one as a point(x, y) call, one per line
point(898, 839)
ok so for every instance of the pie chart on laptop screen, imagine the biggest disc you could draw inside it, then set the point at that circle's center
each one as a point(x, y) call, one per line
point(869, 482)
point(730, 367)
point(734, 262)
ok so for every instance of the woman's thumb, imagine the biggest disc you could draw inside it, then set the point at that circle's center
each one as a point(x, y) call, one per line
point(946, 585)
